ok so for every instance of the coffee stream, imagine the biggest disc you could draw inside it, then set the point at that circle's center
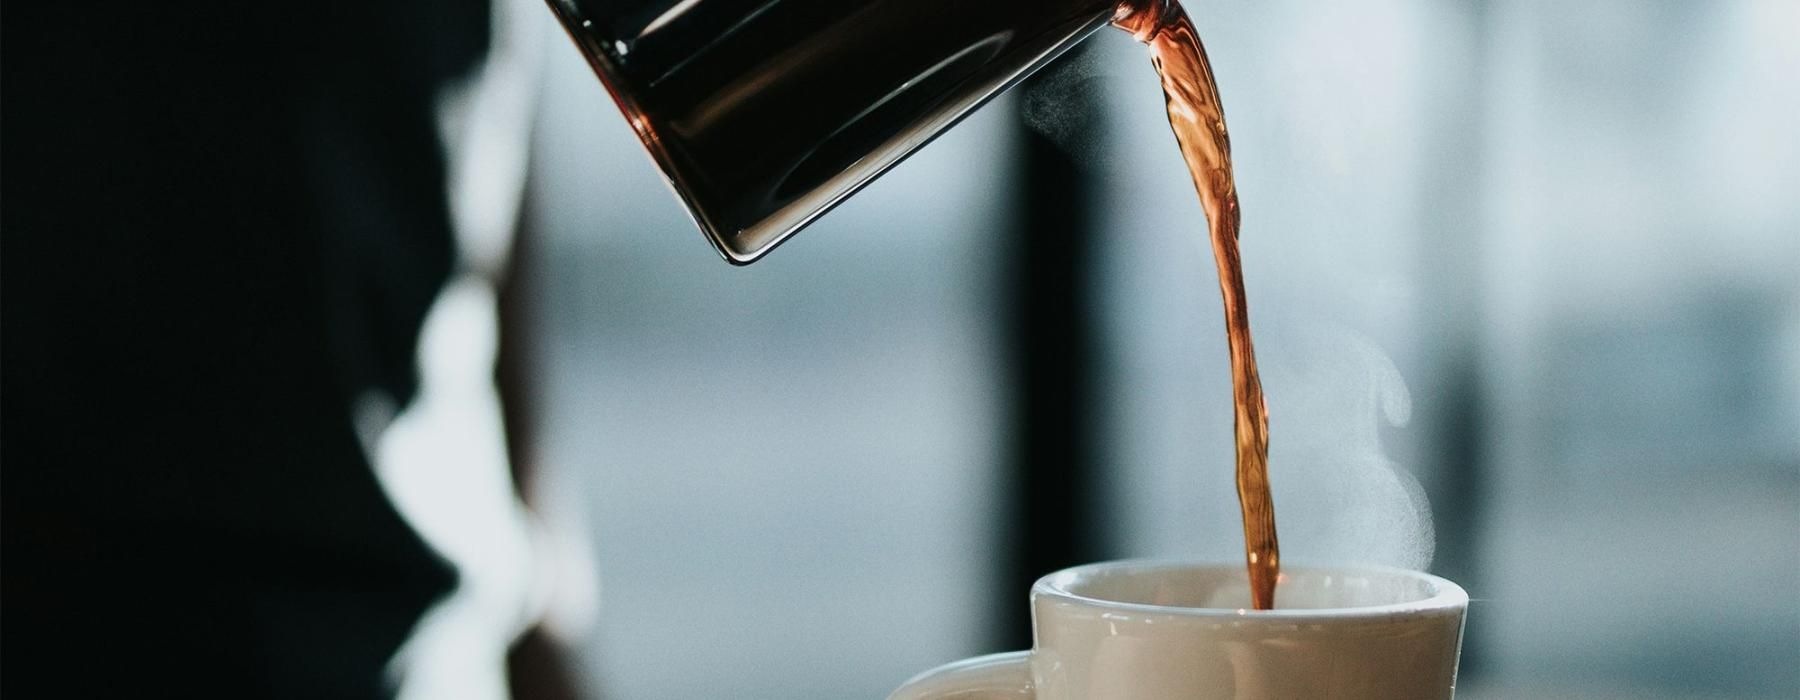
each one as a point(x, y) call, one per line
point(1199, 124)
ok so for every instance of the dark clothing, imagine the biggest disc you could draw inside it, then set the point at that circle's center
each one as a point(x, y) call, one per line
point(222, 224)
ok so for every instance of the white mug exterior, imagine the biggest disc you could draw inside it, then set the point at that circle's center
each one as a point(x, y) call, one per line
point(1142, 630)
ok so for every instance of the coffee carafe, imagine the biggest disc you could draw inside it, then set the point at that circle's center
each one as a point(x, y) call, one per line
point(764, 114)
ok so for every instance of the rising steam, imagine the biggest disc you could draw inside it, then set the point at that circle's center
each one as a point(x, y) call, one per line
point(1338, 497)
point(1065, 104)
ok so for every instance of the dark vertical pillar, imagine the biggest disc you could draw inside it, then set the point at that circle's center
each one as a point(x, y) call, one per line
point(1451, 400)
point(1051, 469)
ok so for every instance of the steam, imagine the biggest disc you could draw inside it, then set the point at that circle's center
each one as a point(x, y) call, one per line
point(1066, 104)
point(1338, 497)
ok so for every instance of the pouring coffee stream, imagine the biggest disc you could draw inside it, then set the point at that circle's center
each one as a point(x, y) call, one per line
point(764, 114)
point(1198, 120)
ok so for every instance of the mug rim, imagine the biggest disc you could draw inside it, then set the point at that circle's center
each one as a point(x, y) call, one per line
point(1446, 595)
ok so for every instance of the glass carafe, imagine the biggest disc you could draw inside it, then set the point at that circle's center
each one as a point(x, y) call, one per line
point(763, 114)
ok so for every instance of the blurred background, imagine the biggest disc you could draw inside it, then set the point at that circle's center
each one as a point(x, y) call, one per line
point(1533, 263)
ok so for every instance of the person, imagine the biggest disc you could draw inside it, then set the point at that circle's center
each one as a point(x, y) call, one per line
point(226, 228)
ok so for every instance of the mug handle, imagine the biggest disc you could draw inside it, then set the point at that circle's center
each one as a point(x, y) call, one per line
point(993, 677)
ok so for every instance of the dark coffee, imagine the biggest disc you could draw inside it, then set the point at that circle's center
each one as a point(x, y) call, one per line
point(1199, 124)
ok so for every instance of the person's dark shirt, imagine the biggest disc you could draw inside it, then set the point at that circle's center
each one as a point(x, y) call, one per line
point(223, 223)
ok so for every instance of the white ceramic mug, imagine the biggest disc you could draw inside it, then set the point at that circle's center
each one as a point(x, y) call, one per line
point(1162, 631)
